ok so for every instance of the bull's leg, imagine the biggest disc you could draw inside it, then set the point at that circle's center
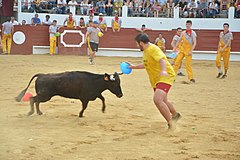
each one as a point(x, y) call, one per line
point(41, 98)
point(37, 108)
point(84, 106)
point(103, 103)
point(32, 100)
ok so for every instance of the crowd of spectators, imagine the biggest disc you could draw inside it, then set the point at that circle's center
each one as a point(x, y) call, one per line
point(143, 8)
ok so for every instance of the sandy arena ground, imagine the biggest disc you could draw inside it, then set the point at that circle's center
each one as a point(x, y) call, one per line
point(132, 128)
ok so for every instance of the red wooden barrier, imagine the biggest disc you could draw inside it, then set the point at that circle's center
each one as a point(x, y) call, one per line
point(207, 40)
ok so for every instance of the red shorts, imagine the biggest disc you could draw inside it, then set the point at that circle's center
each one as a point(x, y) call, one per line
point(163, 86)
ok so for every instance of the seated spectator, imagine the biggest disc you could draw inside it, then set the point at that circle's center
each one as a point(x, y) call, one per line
point(24, 23)
point(91, 8)
point(47, 20)
point(143, 28)
point(160, 42)
point(156, 9)
point(147, 9)
point(102, 23)
point(90, 21)
point(71, 23)
point(84, 7)
point(223, 6)
point(109, 7)
point(192, 9)
point(237, 5)
point(137, 4)
point(163, 4)
point(13, 21)
point(82, 23)
point(213, 9)
point(116, 23)
point(36, 20)
point(118, 6)
point(170, 7)
point(129, 3)
point(51, 4)
point(231, 3)
point(36, 6)
point(100, 6)
point(203, 7)
point(26, 4)
point(72, 6)
point(176, 2)
point(61, 7)
point(183, 9)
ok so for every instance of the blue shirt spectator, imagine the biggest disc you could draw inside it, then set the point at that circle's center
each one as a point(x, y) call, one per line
point(36, 20)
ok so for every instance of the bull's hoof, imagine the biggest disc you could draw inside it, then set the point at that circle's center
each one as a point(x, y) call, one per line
point(39, 113)
point(30, 113)
point(80, 116)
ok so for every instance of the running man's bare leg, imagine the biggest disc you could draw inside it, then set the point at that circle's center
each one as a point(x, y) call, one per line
point(158, 98)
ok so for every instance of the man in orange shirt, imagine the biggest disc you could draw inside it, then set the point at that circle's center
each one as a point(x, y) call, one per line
point(161, 76)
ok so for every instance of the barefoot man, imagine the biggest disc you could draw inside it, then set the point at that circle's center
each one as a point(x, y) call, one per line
point(161, 75)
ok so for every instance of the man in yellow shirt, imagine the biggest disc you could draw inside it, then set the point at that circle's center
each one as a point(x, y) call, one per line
point(71, 23)
point(161, 75)
point(174, 42)
point(224, 48)
point(188, 42)
point(116, 23)
point(160, 42)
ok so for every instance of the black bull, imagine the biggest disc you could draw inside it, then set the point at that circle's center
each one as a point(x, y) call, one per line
point(84, 86)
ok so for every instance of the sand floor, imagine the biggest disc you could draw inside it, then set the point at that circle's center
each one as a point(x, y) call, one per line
point(132, 128)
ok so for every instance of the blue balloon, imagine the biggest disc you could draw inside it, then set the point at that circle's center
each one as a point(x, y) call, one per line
point(124, 68)
point(172, 55)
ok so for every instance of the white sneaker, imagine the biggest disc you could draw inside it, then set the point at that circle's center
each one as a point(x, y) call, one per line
point(91, 62)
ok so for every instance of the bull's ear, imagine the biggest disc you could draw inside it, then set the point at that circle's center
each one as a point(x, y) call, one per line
point(106, 77)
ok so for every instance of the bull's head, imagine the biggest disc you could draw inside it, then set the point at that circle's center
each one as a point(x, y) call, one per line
point(113, 82)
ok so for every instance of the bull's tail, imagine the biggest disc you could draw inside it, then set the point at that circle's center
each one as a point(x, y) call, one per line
point(19, 97)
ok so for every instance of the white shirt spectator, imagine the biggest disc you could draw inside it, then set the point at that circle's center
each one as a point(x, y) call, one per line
point(14, 23)
point(72, 6)
point(27, 3)
point(62, 2)
point(49, 22)
point(193, 5)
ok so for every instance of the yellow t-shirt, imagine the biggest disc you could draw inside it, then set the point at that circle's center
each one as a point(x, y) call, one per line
point(151, 57)
point(70, 23)
point(160, 43)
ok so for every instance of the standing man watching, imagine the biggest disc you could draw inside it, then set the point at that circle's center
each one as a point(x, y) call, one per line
point(7, 31)
point(174, 42)
point(188, 42)
point(224, 48)
point(52, 37)
point(92, 39)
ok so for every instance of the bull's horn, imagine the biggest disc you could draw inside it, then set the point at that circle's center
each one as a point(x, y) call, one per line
point(120, 73)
